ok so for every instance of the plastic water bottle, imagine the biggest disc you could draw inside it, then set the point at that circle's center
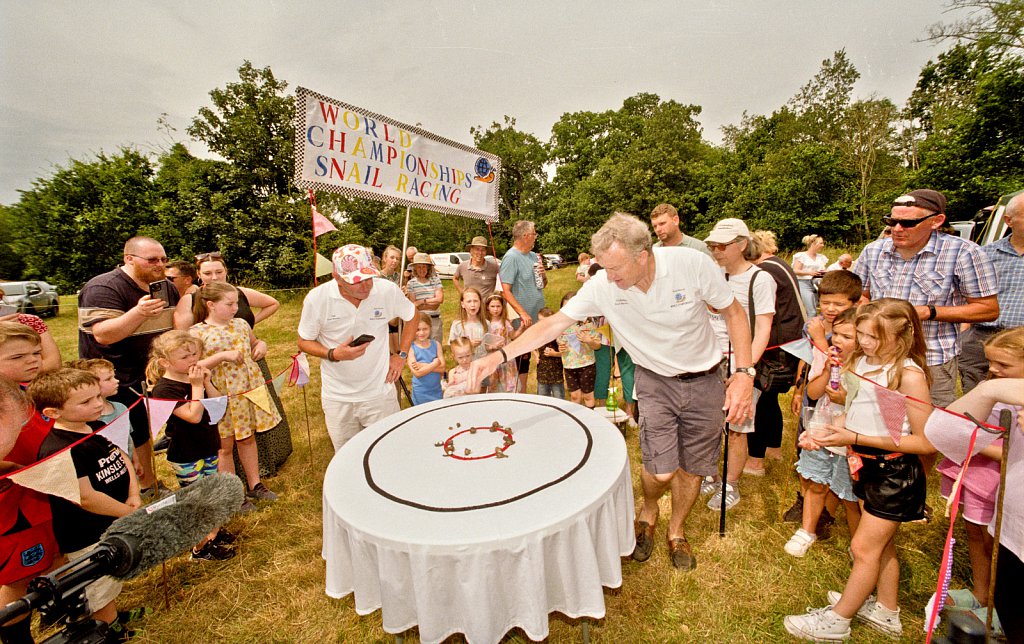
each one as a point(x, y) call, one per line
point(537, 279)
point(611, 403)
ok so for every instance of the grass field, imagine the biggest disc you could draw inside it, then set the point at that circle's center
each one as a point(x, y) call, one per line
point(273, 591)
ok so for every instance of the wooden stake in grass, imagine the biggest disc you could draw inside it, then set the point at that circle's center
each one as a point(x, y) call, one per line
point(309, 437)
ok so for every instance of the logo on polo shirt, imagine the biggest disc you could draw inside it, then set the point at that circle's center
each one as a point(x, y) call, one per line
point(679, 297)
point(620, 301)
point(378, 314)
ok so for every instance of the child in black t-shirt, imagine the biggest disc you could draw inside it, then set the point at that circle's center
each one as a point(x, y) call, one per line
point(106, 478)
point(193, 440)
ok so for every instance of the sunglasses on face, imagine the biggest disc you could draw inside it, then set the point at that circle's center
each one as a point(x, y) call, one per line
point(150, 260)
point(202, 257)
point(720, 247)
point(906, 223)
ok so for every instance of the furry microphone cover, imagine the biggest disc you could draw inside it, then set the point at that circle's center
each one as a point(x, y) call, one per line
point(170, 530)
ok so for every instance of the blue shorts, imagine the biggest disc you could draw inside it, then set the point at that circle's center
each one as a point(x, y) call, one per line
point(189, 473)
point(826, 468)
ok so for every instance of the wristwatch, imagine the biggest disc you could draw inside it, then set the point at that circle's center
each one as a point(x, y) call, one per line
point(750, 371)
point(403, 354)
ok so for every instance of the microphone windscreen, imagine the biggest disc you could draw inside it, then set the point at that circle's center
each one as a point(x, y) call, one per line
point(170, 530)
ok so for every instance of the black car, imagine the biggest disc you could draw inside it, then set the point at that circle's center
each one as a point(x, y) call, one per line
point(34, 297)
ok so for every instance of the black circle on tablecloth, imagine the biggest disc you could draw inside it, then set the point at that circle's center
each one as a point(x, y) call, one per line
point(397, 499)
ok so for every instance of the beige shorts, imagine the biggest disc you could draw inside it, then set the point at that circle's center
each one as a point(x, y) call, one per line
point(345, 419)
point(102, 591)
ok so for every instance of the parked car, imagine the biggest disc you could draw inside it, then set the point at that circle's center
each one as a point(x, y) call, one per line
point(446, 263)
point(553, 261)
point(35, 297)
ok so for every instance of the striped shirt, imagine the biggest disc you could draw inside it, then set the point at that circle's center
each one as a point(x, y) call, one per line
point(946, 272)
point(1009, 266)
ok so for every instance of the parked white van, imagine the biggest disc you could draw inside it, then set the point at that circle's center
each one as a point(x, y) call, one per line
point(446, 263)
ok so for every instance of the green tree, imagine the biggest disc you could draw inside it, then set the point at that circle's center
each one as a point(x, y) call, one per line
point(996, 24)
point(75, 223)
point(869, 149)
point(647, 152)
point(523, 179)
point(250, 125)
point(11, 263)
point(971, 135)
point(821, 104)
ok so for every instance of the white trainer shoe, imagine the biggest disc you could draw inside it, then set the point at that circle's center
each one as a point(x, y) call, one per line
point(874, 615)
point(800, 543)
point(709, 485)
point(732, 497)
point(818, 625)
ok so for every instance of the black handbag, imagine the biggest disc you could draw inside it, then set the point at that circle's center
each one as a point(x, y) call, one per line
point(777, 369)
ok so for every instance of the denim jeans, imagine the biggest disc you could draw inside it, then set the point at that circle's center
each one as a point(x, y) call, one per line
point(552, 389)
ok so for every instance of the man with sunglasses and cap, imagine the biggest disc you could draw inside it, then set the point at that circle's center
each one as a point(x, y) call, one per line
point(118, 320)
point(356, 377)
point(949, 280)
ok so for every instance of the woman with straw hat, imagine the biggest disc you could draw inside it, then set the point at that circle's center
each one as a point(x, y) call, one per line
point(424, 289)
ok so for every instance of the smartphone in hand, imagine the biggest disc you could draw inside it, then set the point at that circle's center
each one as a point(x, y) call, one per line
point(158, 291)
point(361, 340)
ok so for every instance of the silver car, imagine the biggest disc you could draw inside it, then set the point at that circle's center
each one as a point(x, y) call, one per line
point(34, 297)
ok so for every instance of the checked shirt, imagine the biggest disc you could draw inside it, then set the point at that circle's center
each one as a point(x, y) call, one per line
point(1009, 266)
point(946, 272)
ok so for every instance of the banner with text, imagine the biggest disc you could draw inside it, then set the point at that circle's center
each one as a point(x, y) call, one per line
point(348, 150)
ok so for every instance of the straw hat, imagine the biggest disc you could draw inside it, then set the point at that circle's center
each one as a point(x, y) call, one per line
point(421, 258)
point(479, 240)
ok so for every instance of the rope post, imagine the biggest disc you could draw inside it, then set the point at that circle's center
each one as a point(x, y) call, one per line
point(1005, 420)
point(309, 436)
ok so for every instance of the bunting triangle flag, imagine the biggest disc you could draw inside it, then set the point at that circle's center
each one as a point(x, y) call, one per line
point(278, 382)
point(55, 476)
point(215, 407)
point(118, 431)
point(321, 224)
point(260, 398)
point(800, 348)
point(323, 265)
point(300, 370)
point(893, 408)
point(159, 412)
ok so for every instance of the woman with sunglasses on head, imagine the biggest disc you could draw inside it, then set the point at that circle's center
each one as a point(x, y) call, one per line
point(274, 446)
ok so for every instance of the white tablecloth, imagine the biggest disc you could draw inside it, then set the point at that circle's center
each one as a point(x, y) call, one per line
point(479, 546)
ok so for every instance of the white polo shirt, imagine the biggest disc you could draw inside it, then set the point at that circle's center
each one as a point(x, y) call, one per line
point(330, 319)
point(667, 329)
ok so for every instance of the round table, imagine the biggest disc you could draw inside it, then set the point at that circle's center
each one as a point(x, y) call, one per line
point(479, 514)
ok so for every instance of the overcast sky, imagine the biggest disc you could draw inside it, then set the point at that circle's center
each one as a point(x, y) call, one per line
point(81, 77)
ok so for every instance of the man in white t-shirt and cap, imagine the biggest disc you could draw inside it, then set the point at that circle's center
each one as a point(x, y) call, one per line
point(656, 301)
point(356, 377)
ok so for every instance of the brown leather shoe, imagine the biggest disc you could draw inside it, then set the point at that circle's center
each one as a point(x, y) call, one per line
point(681, 554)
point(644, 540)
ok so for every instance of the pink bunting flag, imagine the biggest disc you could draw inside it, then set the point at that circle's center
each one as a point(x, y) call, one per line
point(321, 224)
point(893, 408)
point(300, 370)
point(159, 412)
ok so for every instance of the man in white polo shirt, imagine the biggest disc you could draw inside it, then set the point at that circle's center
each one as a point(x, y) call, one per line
point(656, 303)
point(355, 378)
